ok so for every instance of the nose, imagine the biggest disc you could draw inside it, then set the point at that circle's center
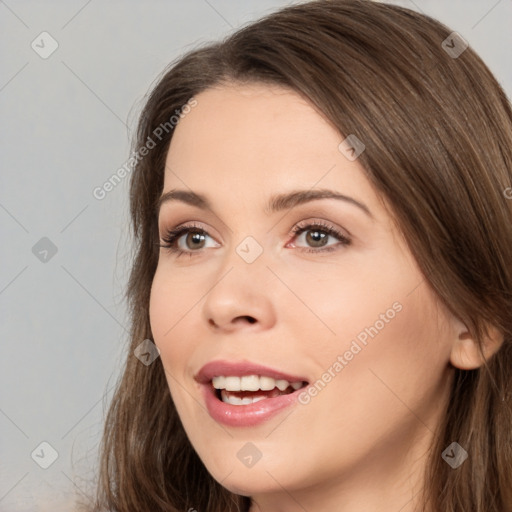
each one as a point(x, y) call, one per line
point(241, 298)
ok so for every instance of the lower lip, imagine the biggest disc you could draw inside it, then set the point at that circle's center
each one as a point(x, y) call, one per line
point(246, 415)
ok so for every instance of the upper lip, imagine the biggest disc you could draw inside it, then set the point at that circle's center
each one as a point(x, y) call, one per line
point(240, 369)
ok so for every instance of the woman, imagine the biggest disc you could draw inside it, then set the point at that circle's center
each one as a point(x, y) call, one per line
point(323, 225)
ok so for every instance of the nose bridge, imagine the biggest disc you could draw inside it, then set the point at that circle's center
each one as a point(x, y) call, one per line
point(240, 291)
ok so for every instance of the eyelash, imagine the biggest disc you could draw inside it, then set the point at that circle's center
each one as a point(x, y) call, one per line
point(173, 235)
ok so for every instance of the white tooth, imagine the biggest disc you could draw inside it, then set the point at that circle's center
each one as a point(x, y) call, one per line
point(232, 383)
point(219, 382)
point(232, 400)
point(267, 383)
point(282, 384)
point(250, 383)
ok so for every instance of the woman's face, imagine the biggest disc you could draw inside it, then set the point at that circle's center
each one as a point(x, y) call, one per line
point(340, 305)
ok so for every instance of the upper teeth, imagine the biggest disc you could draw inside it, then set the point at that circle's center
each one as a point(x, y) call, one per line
point(252, 383)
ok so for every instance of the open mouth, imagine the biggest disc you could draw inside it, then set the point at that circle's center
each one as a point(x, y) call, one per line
point(250, 389)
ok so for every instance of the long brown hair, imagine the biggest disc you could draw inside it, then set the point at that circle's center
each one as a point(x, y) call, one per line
point(438, 134)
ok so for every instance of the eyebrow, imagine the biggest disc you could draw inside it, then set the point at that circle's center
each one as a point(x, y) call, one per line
point(276, 203)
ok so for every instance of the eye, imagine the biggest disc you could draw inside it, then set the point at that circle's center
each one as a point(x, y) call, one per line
point(190, 239)
point(317, 235)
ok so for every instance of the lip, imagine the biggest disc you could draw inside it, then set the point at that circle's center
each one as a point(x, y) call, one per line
point(244, 415)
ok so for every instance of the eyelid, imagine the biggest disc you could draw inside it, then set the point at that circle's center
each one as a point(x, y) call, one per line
point(183, 229)
point(320, 223)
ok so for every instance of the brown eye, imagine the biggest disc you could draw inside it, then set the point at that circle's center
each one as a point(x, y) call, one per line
point(194, 240)
point(316, 237)
point(186, 240)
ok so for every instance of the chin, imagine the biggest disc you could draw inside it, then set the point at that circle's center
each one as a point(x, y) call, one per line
point(248, 483)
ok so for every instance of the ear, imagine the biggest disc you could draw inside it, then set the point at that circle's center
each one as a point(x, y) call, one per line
point(466, 354)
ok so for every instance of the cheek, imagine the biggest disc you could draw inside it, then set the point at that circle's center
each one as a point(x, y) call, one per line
point(168, 307)
point(393, 361)
point(385, 324)
point(344, 302)
point(382, 389)
point(400, 333)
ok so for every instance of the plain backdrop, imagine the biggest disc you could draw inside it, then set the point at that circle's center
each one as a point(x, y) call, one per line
point(67, 119)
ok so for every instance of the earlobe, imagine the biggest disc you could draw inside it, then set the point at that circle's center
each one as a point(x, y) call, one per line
point(466, 354)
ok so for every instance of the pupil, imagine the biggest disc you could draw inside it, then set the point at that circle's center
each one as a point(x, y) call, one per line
point(315, 237)
point(197, 237)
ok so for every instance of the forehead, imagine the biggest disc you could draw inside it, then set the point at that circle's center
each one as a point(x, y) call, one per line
point(252, 123)
point(255, 140)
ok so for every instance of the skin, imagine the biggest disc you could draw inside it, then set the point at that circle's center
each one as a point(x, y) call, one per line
point(361, 442)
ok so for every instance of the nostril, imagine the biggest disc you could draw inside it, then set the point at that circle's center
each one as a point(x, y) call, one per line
point(249, 319)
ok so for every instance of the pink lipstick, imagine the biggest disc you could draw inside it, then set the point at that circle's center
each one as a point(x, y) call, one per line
point(244, 394)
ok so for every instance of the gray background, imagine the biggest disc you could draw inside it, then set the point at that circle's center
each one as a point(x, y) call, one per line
point(66, 123)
